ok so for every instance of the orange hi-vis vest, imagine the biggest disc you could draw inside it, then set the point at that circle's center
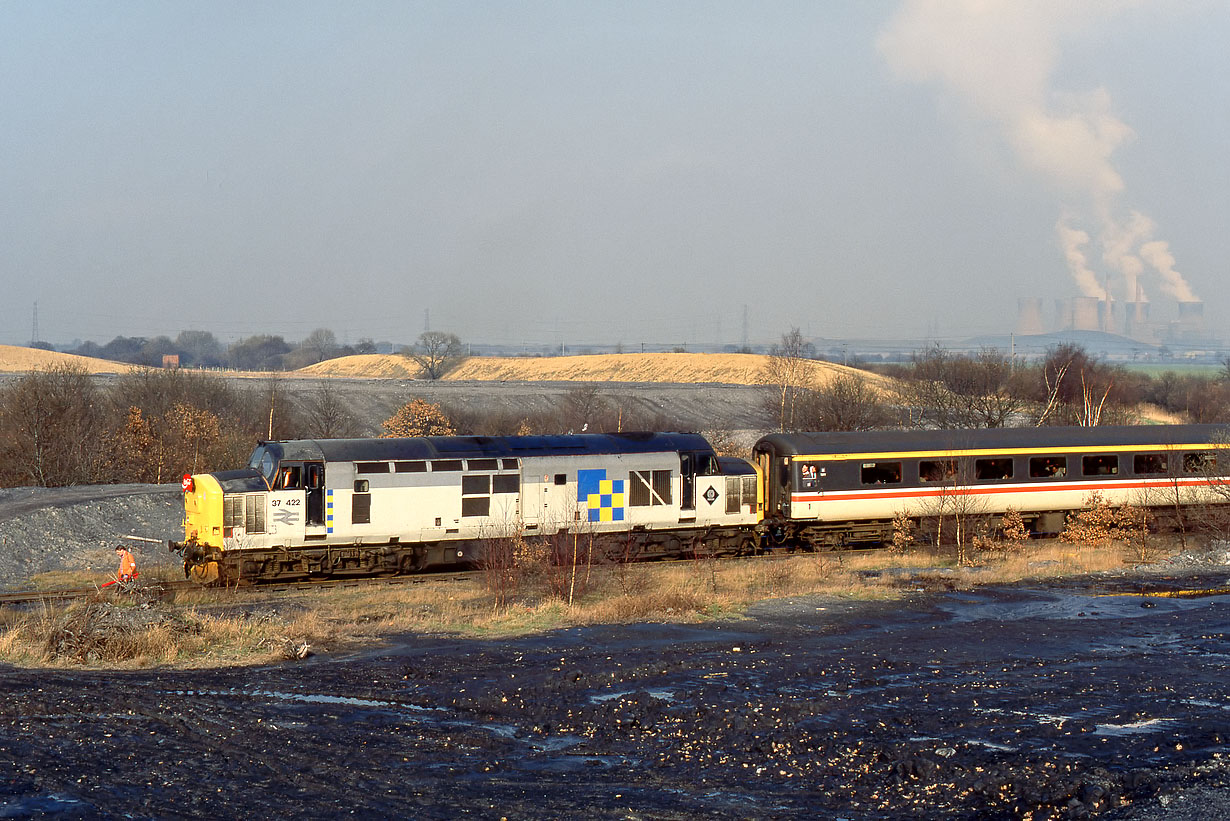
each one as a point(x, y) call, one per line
point(128, 566)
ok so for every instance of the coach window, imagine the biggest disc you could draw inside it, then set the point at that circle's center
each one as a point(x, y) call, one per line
point(505, 483)
point(881, 473)
point(483, 464)
point(1199, 462)
point(1101, 465)
point(417, 466)
point(1144, 464)
point(936, 470)
point(444, 465)
point(992, 470)
point(1047, 467)
point(371, 467)
point(809, 476)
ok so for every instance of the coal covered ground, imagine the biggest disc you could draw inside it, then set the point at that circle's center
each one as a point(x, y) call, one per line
point(1003, 703)
point(1034, 701)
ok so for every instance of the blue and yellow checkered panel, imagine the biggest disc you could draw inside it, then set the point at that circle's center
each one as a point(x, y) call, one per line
point(603, 497)
point(328, 511)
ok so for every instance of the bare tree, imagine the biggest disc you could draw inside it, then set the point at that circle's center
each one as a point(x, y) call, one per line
point(327, 416)
point(50, 421)
point(436, 352)
point(786, 370)
point(948, 390)
point(846, 402)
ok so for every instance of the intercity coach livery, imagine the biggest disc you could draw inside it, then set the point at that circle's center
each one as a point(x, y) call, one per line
point(357, 507)
point(838, 489)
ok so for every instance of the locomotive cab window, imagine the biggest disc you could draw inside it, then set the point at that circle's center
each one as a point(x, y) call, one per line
point(1145, 464)
point(937, 470)
point(992, 470)
point(880, 473)
point(1100, 465)
point(1047, 467)
point(290, 478)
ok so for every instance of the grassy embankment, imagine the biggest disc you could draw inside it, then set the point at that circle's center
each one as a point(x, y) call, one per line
point(213, 628)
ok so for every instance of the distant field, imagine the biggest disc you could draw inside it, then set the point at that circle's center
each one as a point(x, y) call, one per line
point(1156, 369)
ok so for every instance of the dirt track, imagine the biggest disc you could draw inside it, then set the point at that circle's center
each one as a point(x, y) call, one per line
point(1029, 703)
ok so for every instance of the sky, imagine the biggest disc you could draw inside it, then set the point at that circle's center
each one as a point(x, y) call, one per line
point(565, 173)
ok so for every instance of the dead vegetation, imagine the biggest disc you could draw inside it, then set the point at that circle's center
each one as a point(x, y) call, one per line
point(215, 628)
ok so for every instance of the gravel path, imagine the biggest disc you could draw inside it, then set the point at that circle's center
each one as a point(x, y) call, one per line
point(77, 528)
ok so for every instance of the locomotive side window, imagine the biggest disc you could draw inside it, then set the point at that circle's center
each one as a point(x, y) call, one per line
point(471, 485)
point(361, 504)
point(1149, 463)
point(936, 470)
point(475, 506)
point(1199, 462)
point(881, 473)
point(509, 464)
point(1045, 467)
point(439, 465)
point(483, 464)
point(649, 487)
point(734, 493)
point(990, 470)
point(418, 466)
point(1101, 465)
point(371, 467)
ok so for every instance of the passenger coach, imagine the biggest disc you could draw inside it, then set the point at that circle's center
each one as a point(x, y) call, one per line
point(835, 489)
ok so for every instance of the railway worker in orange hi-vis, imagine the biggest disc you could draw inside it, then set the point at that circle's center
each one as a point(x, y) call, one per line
point(128, 565)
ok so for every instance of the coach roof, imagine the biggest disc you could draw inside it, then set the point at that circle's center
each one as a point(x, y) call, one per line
point(991, 439)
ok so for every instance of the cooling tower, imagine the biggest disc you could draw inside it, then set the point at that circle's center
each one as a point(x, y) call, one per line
point(1029, 316)
point(1086, 313)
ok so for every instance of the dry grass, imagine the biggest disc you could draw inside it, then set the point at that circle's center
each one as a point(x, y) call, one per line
point(737, 369)
point(15, 359)
point(210, 628)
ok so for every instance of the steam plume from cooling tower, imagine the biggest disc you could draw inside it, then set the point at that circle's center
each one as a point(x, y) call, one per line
point(997, 58)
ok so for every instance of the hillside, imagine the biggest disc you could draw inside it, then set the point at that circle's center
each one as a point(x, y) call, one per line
point(14, 359)
point(695, 368)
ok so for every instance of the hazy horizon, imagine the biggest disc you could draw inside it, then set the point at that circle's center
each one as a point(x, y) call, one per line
point(547, 173)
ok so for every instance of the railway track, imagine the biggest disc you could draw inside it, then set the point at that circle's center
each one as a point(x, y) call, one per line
point(164, 586)
point(27, 597)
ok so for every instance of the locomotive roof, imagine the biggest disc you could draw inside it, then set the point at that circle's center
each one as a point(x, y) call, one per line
point(1058, 438)
point(472, 447)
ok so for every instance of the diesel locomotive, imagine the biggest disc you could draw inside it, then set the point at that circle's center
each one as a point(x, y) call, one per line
point(361, 507)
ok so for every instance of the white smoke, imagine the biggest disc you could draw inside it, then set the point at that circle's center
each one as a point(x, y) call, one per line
point(1159, 256)
point(997, 58)
point(1073, 241)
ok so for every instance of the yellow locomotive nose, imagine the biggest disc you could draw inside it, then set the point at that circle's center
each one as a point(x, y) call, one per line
point(203, 510)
